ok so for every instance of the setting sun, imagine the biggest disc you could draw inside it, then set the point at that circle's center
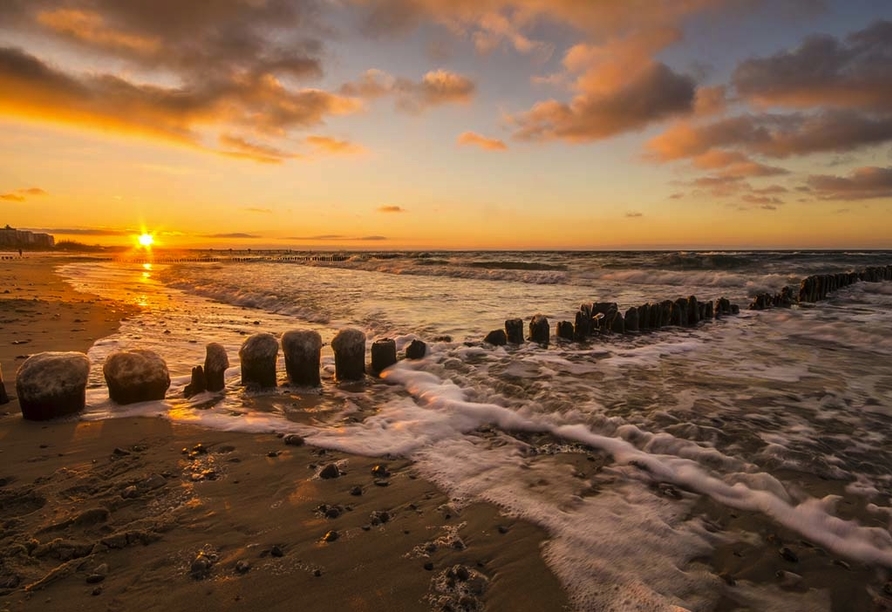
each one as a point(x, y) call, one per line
point(146, 240)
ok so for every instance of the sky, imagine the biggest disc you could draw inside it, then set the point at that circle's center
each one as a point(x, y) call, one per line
point(461, 124)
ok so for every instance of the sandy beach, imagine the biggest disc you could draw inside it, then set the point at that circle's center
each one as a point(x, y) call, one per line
point(128, 514)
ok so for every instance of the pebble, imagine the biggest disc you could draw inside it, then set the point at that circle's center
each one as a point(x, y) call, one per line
point(356, 491)
point(130, 492)
point(380, 482)
point(294, 440)
point(201, 566)
point(789, 555)
point(429, 566)
point(330, 536)
point(330, 471)
point(277, 551)
point(379, 517)
point(503, 529)
point(317, 572)
point(120, 452)
point(242, 567)
point(380, 471)
point(96, 591)
point(273, 454)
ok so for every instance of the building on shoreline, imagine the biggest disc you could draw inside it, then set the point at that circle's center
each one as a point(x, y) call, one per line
point(12, 238)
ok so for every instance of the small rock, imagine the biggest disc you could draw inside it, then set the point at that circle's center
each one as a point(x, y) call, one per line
point(242, 567)
point(294, 440)
point(130, 492)
point(317, 572)
point(503, 529)
point(379, 517)
point(381, 482)
point(789, 555)
point(96, 591)
point(277, 551)
point(380, 471)
point(330, 536)
point(429, 566)
point(356, 491)
point(120, 452)
point(273, 454)
point(330, 471)
point(201, 566)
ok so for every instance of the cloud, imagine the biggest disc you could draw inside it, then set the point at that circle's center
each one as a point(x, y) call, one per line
point(391, 209)
point(257, 103)
point(337, 237)
point(855, 72)
point(20, 195)
point(474, 139)
point(634, 215)
point(677, 195)
point(436, 88)
point(234, 146)
point(862, 184)
point(326, 144)
point(618, 88)
point(92, 231)
point(773, 135)
point(231, 235)
point(255, 209)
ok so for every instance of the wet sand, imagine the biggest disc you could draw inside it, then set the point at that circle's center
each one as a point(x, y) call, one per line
point(144, 514)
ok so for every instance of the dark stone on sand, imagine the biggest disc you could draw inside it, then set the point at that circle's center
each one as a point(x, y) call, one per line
point(429, 566)
point(242, 567)
point(51, 385)
point(330, 536)
point(565, 330)
point(302, 349)
point(514, 331)
point(416, 350)
point(293, 440)
point(380, 471)
point(198, 383)
point(379, 517)
point(383, 354)
point(540, 330)
point(789, 555)
point(215, 363)
point(496, 337)
point(356, 491)
point(330, 471)
point(258, 357)
point(277, 551)
point(349, 350)
point(201, 566)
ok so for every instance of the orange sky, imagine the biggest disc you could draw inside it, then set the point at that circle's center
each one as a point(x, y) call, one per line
point(394, 124)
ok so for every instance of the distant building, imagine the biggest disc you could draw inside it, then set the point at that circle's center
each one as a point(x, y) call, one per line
point(12, 238)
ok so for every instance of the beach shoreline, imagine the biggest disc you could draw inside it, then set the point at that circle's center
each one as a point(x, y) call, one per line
point(146, 513)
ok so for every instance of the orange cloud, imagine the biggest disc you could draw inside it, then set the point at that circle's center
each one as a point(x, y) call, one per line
point(474, 139)
point(90, 27)
point(391, 209)
point(326, 144)
point(20, 195)
point(258, 103)
point(436, 88)
point(235, 146)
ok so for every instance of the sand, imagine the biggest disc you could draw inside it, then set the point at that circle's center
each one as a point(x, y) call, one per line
point(143, 514)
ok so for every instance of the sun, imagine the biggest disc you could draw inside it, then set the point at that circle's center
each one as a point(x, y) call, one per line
point(146, 240)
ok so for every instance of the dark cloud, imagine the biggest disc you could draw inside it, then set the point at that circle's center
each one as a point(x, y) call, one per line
point(633, 215)
point(774, 135)
point(824, 71)
point(391, 209)
point(656, 93)
point(861, 184)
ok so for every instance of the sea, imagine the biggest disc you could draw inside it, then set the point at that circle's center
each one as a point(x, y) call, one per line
point(766, 431)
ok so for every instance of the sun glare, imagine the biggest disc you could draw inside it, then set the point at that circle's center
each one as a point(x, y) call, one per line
point(146, 240)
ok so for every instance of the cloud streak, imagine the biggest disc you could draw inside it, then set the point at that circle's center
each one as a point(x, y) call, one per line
point(436, 88)
point(476, 140)
point(20, 195)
